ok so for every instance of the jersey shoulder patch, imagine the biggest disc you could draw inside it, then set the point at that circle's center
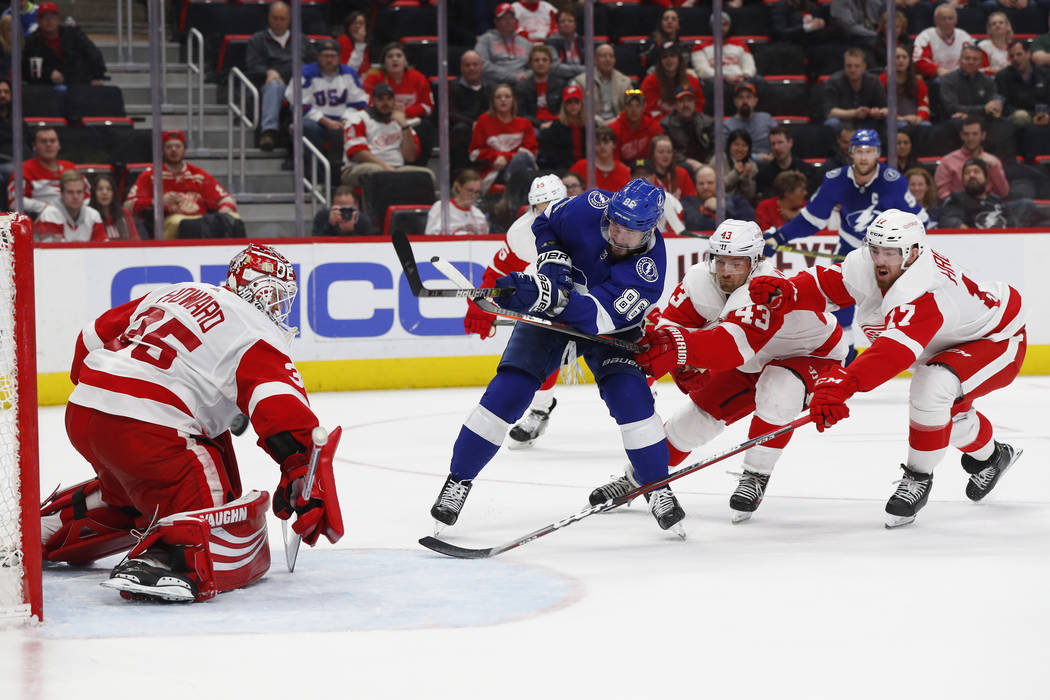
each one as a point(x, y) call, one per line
point(832, 174)
point(890, 175)
point(597, 199)
point(647, 269)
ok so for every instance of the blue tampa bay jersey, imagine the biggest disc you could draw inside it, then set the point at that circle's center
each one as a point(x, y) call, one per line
point(861, 204)
point(611, 294)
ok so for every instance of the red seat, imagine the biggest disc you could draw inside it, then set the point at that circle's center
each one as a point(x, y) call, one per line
point(37, 122)
point(95, 168)
point(411, 219)
point(108, 121)
point(791, 119)
point(232, 52)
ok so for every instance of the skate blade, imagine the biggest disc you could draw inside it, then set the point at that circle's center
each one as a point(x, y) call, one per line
point(678, 530)
point(515, 445)
point(740, 516)
point(439, 527)
point(893, 521)
point(167, 594)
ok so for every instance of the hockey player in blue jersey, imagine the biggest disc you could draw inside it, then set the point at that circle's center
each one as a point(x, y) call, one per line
point(863, 191)
point(600, 265)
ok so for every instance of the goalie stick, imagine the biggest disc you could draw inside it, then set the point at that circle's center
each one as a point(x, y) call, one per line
point(408, 263)
point(451, 550)
point(292, 539)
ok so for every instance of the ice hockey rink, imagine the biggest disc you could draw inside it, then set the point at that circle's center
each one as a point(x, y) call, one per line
point(812, 598)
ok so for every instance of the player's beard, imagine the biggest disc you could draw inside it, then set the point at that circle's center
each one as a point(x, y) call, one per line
point(864, 170)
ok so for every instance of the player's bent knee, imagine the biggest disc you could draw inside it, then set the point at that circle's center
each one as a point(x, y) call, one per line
point(779, 395)
point(934, 387)
point(77, 526)
point(627, 395)
point(691, 426)
point(220, 548)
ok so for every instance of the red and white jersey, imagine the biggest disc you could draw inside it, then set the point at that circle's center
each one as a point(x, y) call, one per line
point(55, 224)
point(932, 307)
point(411, 94)
point(735, 333)
point(493, 137)
point(461, 222)
point(197, 192)
point(737, 60)
point(931, 51)
point(673, 218)
point(40, 184)
point(363, 133)
point(536, 20)
point(190, 356)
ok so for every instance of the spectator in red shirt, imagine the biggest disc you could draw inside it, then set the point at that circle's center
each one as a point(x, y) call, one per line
point(562, 142)
point(609, 173)
point(353, 42)
point(503, 143)
point(673, 178)
point(195, 204)
point(40, 174)
point(668, 75)
point(116, 220)
point(411, 92)
point(789, 196)
point(634, 128)
point(913, 98)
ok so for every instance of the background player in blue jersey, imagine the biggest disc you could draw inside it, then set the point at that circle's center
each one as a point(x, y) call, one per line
point(600, 266)
point(863, 190)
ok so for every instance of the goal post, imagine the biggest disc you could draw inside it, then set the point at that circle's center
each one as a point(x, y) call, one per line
point(20, 557)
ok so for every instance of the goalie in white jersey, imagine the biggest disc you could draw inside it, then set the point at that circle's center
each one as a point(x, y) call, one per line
point(735, 358)
point(159, 380)
point(961, 338)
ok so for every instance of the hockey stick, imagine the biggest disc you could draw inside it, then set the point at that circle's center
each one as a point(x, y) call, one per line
point(408, 262)
point(452, 550)
point(291, 537)
point(810, 253)
point(460, 280)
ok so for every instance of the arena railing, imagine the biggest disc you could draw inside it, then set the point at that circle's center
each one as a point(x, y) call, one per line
point(195, 83)
point(318, 192)
point(237, 113)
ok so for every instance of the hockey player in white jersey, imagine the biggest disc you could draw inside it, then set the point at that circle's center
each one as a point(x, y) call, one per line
point(735, 358)
point(519, 255)
point(159, 380)
point(961, 338)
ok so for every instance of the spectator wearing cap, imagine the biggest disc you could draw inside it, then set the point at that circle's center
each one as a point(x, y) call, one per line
point(609, 173)
point(789, 196)
point(782, 159)
point(562, 143)
point(673, 219)
point(329, 89)
point(565, 43)
point(195, 204)
point(949, 175)
point(467, 100)
point(609, 84)
point(505, 53)
point(747, 117)
point(378, 138)
point(634, 127)
point(268, 59)
point(60, 55)
point(503, 143)
point(737, 61)
point(691, 131)
point(539, 95)
point(661, 85)
point(69, 219)
point(853, 95)
point(536, 19)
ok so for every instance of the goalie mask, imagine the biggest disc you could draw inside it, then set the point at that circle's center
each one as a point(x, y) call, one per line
point(900, 230)
point(265, 279)
point(736, 238)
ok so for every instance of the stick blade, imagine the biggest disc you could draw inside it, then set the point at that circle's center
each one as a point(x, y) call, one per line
point(408, 261)
point(451, 550)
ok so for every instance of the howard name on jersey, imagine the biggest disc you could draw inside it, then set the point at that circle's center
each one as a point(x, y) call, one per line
point(611, 294)
point(932, 307)
point(750, 337)
point(190, 356)
point(861, 204)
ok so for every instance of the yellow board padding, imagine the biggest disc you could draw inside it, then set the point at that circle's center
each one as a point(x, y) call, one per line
point(53, 388)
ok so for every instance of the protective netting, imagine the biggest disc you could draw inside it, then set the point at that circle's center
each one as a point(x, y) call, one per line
point(11, 570)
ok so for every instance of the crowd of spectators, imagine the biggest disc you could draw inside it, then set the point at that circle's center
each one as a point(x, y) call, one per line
point(516, 108)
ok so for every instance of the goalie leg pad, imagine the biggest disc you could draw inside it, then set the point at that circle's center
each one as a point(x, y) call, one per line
point(219, 548)
point(77, 526)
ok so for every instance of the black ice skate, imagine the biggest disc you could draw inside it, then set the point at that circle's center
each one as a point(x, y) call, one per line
point(450, 502)
point(530, 427)
point(615, 488)
point(912, 492)
point(665, 508)
point(984, 475)
point(148, 578)
point(748, 495)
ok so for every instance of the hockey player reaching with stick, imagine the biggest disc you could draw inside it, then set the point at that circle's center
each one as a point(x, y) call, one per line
point(862, 191)
point(158, 382)
point(736, 358)
point(519, 255)
point(600, 266)
point(961, 338)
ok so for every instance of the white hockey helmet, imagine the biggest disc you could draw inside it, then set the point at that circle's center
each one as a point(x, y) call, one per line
point(737, 238)
point(547, 188)
point(898, 229)
point(265, 279)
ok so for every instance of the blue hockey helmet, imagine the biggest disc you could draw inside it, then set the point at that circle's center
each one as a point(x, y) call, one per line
point(865, 137)
point(637, 206)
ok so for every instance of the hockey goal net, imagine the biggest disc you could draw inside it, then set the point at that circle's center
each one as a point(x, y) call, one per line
point(20, 594)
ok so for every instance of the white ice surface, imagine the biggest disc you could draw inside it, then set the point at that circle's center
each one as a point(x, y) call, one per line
point(812, 598)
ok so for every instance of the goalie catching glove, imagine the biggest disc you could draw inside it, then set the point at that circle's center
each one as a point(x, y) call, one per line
point(318, 513)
